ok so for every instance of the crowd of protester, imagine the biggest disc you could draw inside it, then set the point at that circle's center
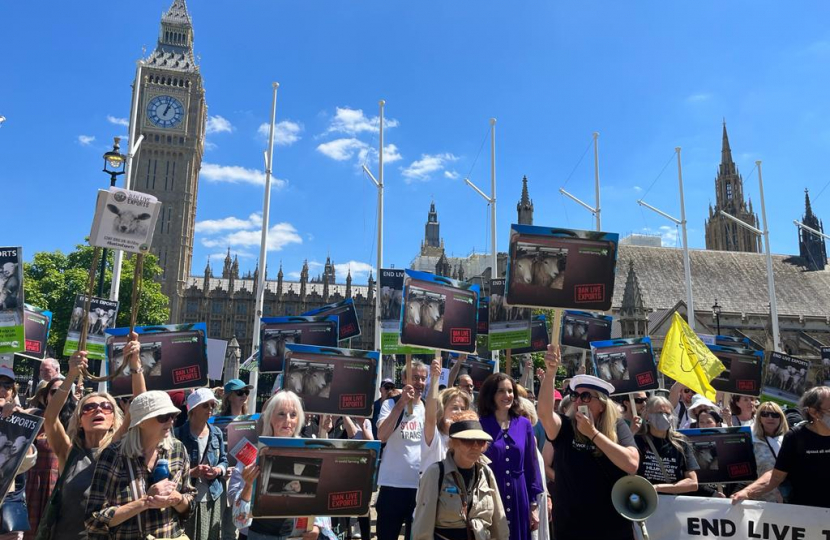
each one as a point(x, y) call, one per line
point(456, 464)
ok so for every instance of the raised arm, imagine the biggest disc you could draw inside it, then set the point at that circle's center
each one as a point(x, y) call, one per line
point(432, 405)
point(388, 419)
point(55, 433)
point(550, 420)
point(455, 370)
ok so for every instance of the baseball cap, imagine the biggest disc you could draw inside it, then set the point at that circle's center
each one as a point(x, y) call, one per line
point(236, 384)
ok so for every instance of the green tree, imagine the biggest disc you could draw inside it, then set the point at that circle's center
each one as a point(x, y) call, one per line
point(52, 280)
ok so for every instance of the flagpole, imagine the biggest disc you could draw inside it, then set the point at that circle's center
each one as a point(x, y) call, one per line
point(596, 180)
point(687, 265)
point(381, 104)
point(773, 303)
point(263, 246)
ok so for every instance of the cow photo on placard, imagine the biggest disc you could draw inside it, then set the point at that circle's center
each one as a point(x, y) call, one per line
point(17, 432)
point(278, 332)
point(580, 328)
point(100, 318)
point(347, 319)
point(743, 370)
point(331, 380)
point(628, 364)
point(439, 312)
point(124, 220)
point(12, 332)
point(786, 377)
point(314, 477)
point(173, 357)
point(509, 325)
point(725, 455)
point(551, 267)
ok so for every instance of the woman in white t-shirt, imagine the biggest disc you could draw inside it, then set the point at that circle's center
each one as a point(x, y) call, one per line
point(438, 413)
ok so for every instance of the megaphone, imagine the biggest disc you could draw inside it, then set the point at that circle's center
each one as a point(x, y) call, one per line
point(635, 499)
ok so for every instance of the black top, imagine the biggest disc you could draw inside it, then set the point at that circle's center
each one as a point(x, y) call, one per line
point(582, 491)
point(805, 457)
point(468, 475)
point(676, 463)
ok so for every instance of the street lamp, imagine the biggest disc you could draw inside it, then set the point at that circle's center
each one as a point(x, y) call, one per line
point(114, 162)
point(716, 314)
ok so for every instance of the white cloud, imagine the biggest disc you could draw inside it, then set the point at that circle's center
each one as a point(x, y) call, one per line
point(698, 98)
point(218, 124)
point(279, 236)
point(286, 132)
point(86, 140)
point(353, 122)
point(294, 275)
point(638, 189)
point(422, 169)
point(391, 154)
point(452, 175)
point(343, 149)
point(234, 174)
point(668, 235)
point(118, 121)
point(360, 271)
point(213, 226)
point(210, 146)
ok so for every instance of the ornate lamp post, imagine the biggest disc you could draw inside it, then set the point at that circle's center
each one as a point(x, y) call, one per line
point(716, 314)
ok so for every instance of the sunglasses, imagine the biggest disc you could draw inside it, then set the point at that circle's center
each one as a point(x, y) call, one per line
point(640, 400)
point(472, 442)
point(584, 397)
point(389, 387)
point(241, 393)
point(89, 408)
point(164, 418)
point(770, 414)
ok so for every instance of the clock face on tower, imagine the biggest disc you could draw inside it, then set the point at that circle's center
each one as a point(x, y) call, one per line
point(165, 111)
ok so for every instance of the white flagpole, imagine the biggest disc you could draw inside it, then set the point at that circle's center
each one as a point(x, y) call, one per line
point(687, 268)
point(597, 210)
point(132, 145)
point(773, 302)
point(263, 246)
point(494, 271)
point(381, 103)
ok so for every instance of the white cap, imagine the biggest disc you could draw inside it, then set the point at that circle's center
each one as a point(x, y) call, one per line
point(595, 383)
point(699, 400)
point(149, 405)
point(199, 396)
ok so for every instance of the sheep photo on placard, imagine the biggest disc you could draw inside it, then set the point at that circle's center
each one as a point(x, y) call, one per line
point(540, 266)
point(390, 303)
point(425, 308)
point(613, 367)
point(309, 379)
point(150, 359)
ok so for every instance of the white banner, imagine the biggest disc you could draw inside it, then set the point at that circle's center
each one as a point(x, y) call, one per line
point(680, 518)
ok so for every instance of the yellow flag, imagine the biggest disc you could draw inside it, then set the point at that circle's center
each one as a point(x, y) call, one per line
point(687, 360)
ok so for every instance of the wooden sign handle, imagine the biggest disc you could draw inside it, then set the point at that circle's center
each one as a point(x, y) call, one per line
point(90, 287)
point(408, 380)
point(508, 362)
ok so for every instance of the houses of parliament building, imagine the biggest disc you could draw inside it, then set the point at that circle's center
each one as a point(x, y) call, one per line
point(730, 273)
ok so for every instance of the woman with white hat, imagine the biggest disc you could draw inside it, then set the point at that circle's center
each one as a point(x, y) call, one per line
point(458, 497)
point(593, 448)
point(141, 485)
point(205, 446)
point(700, 404)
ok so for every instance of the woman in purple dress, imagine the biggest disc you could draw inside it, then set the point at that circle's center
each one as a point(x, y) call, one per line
point(512, 453)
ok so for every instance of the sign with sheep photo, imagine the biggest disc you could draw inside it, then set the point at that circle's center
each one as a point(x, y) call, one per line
point(439, 312)
point(278, 332)
point(743, 371)
point(628, 364)
point(787, 378)
point(390, 281)
point(124, 220)
point(12, 332)
point(551, 267)
point(173, 357)
point(101, 317)
point(331, 380)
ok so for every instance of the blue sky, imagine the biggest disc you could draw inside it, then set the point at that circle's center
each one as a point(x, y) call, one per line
point(648, 76)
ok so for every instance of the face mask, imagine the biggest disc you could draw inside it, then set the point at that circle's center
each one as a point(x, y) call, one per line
point(661, 421)
point(826, 419)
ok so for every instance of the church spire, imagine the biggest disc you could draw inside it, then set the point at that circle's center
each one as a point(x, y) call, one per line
point(525, 206)
point(633, 317)
point(174, 50)
point(177, 13)
point(812, 248)
point(726, 151)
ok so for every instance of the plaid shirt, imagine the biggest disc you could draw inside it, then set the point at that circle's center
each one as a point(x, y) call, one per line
point(111, 489)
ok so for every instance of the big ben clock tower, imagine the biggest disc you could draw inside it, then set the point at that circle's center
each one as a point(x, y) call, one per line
point(171, 116)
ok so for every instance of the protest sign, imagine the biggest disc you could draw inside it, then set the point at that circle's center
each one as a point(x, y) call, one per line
point(277, 332)
point(17, 432)
point(509, 325)
point(483, 316)
point(477, 368)
point(124, 220)
point(12, 331)
point(823, 375)
point(314, 477)
point(743, 369)
point(786, 377)
point(552, 267)
point(539, 337)
point(628, 364)
point(173, 357)
point(332, 381)
point(693, 518)
point(237, 431)
point(36, 323)
point(580, 328)
point(725, 455)
point(102, 315)
point(391, 310)
point(347, 320)
point(439, 312)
